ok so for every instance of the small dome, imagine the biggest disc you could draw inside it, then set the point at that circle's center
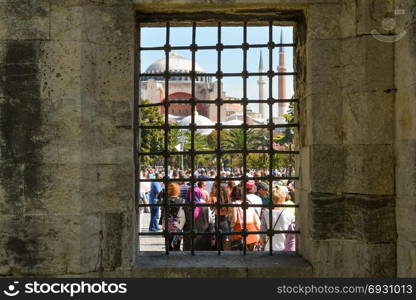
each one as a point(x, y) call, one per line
point(177, 64)
point(199, 121)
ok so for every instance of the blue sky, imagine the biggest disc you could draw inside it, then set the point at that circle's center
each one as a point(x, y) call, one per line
point(232, 59)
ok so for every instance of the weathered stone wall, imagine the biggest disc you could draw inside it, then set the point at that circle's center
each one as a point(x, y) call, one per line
point(65, 168)
point(347, 155)
point(66, 90)
point(405, 80)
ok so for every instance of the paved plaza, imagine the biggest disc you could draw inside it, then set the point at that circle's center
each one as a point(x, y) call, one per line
point(149, 243)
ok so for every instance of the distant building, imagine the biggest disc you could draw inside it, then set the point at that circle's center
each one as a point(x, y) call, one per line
point(152, 88)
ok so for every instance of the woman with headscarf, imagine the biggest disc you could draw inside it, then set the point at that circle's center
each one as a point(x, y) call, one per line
point(202, 222)
point(173, 217)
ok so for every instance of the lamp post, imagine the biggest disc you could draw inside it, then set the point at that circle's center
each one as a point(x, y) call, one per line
point(182, 143)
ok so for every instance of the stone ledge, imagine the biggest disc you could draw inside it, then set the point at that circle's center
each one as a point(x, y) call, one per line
point(228, 264)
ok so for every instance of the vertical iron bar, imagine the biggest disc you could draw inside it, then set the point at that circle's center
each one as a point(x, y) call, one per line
point(193, 138)
point(218, 204)
point(136, 120)
point(166, 140)
point(245, 139)
point(271, 122)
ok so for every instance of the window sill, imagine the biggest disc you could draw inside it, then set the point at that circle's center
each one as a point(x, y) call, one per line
point(229, 264)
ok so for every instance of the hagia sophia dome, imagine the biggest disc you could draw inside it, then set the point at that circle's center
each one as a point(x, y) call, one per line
point(177, 64)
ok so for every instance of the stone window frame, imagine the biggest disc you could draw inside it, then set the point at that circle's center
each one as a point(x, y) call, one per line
point(281, 265)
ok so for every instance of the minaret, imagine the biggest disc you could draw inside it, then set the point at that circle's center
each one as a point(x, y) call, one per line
point(261, 84)
point(281, 80)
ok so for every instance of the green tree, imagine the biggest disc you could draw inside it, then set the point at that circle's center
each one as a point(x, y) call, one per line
point(151, 140)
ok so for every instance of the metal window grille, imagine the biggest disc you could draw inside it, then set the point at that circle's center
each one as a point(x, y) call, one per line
point(167, 21)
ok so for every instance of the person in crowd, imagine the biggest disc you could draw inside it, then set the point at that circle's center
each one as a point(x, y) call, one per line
point(202, 222)
point(144, 193)
point(291, 189)
point(263, 192)
point(282, 219)
point(208, 184)
point(237, 222)
point(252, 198)
point(155, 189)
point(202, 186)
point(173, 217)
point(224, 216)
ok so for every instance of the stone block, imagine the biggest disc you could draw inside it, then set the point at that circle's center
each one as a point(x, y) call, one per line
point(370, 15)
point(60, 70)
point(369, 218)
point(108, 72)
point(24, 20)
point(368, 118)
point(40, 245)
point(66, 21)
point(327, 216)
point(327, 168)
point(106, 133)
point(61, 127)
point(109, 25)
point(323, 21)
point(405, 46)
point(369, 169)
point(406, 217)
point(91, 238)
point(367, 65)
point(303, 213)
point(106, 242)
point(354, 217)
point(346, 258)
point(11, 189)
point(330, 21)
point(406, 258)
point(326, 113)
point(406, 168)
point(405, 105)
point(323, 75)
point(51, 189)
point(106, 188)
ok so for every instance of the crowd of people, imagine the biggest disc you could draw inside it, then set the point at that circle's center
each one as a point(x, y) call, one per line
point(228, 219)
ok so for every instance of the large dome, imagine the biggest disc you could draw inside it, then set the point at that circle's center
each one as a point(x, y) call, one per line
point(177, 64)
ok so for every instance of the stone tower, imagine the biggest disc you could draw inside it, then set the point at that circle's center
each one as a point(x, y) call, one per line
point(281, 80)
point(261, 84)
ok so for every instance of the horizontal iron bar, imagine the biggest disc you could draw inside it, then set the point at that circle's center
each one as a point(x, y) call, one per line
point(221, 179)
point(215, 205)
point(173, 233)
point(214, 47)
point(214, 152)
point(170, 127)
point(173, 74)
point(224, 101)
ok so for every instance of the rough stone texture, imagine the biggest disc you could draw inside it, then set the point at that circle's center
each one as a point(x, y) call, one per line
point(364, 259)
point(65, 92)
point(405, 138)
point(347, 143)
point(231, 264)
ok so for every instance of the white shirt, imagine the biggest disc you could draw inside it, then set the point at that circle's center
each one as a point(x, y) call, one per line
point(285, 220)
point(254, 199)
